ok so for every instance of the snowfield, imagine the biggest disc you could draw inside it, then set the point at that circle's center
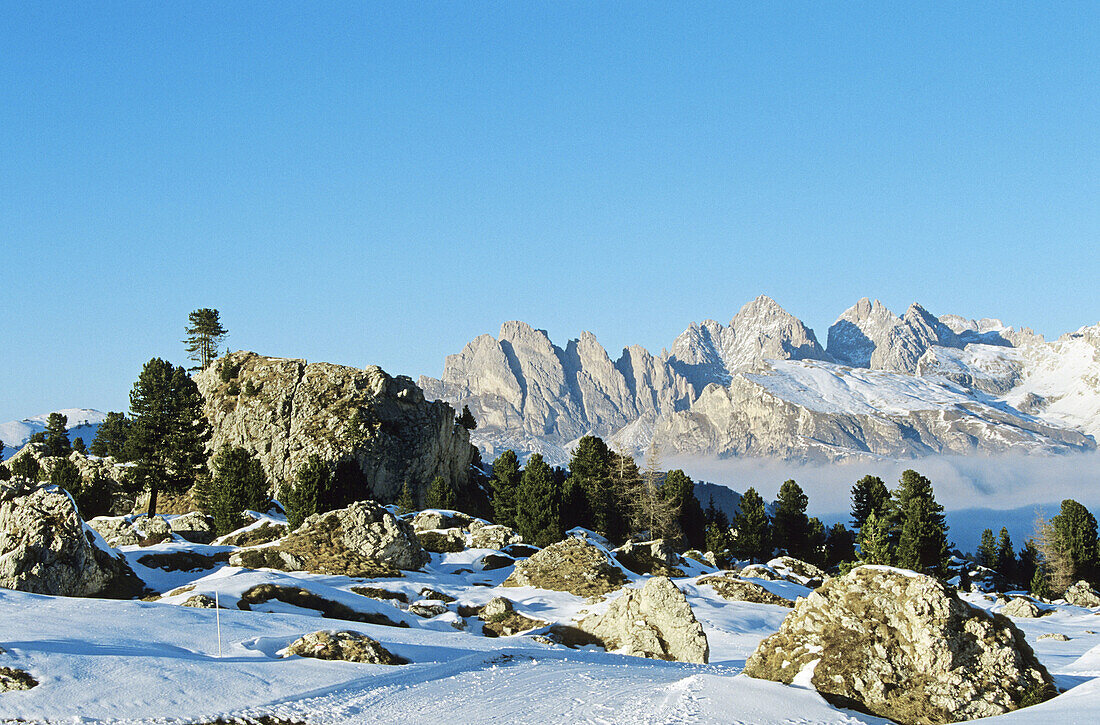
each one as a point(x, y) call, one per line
point(157, 662)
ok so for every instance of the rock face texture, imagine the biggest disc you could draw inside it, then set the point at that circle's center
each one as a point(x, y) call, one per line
point(363, 537)
point(650, 557)
point(735, 589)
point(903, 646)
point(347, 646)
point(1082, 595)
point(45, 548)
point(572, 565)
point(284, 410)
point(655, 622)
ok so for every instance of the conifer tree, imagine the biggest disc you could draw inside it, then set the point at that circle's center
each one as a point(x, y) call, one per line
point(987, 550)
point(1055, 563)
point(654, 513)
point(441, 494)
point(239, 484)
point(204, 334)
point(505, 484)
point(680, 490)
point(303, 499)
point(718, 539)
point(1005, 561)
point(574, 505)
point(590, 466)
point(1040, 583)
point(67, 476)
point(78, 445)
point(918, 526)
point(169, 428)
point(874, 540)
point(111, 438)
point(1027, 564)
point(467, 420)
point(57, 435)
point(790, 525)
point(406, 503)
point(839, 545)
point(1075, 530)
point(538, 504)
point(868, 494)
point(625, 484)
point(752, 529)
point(25, 466)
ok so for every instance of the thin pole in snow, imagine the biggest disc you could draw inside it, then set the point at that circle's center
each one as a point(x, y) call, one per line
point(218, 619)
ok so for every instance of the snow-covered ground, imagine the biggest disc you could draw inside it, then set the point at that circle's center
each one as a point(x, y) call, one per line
point(138, 661)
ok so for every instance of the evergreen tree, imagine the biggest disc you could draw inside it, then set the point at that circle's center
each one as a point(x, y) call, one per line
point(79, 447)
point(538, 504)
point(1040, 583)
point(654, 513)
point(204, 334)
point(874, 540)
point(1055, 561)
point(752, 528)
point(816, 536)
point(25, 466)
point(467, 420)
point(923, 543)
point(406, 503)
point(1005, 561)
point(680, 490)
point(5, 473)
point(718, 539)
point(574, 505)
point(839, 545)
point(441, 494)
point(169, 428)
point(57, 435)
point(304, 498)
point(987, 550)
point(238, 484)
point(790, 525)
point(590, 466)
point(505, 484)
point(94, 498)
point(625, 484)
point(67, 476)
point(1075, 529)
point(1027, 564)
point(111, 438)
point(868, 494)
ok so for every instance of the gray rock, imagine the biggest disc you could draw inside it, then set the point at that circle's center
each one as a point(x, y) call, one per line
point(797, 571)
point(442, 542)
point(1021, 608)
point(428, 609)
point(1082, 595)
point(495, 608)
point(12, 679)
point(46, 549)
point(1056, 636)
point(382, 426)
point(115, 530)
point(761, 571)
point(434, 519)
point(572, 565)
point(730, 586)
point(196, 527)
point(200, 601)
point(347, 646)
point(903, 646)
point(655, 622)
point(650, 557)
point(493, 537)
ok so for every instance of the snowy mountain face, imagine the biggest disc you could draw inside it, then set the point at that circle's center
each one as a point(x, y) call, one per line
point(83, 423)
point(887, 386)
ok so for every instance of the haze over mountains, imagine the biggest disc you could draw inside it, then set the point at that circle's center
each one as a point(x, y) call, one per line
point(886, 386)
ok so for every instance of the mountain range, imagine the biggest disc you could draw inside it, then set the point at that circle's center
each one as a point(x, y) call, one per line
point(884, 386)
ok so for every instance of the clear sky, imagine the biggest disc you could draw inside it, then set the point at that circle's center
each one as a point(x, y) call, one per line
point(368, 184)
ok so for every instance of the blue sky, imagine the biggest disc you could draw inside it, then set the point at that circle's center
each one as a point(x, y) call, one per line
point(369, 184)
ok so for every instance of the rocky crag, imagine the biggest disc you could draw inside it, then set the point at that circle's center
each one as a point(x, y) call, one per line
point(285, 410)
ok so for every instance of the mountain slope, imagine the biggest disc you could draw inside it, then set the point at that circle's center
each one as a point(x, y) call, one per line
point(83, 423)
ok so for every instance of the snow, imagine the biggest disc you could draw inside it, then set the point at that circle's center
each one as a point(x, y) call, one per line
point(83, 423)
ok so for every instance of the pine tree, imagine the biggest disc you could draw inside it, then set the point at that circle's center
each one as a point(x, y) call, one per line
point(918, 526)
point(25, 466)
point(625, 485)
point(752, 528)
point(1005, 561)
point(441, 494)
point(504, 484)
point(1055, 563)
point(111, 438)
point(67, 476)
point(653, 513)
point(1027, 564)
point(680, 490)
point(574, 505)
point(304, 498)
point(590, 466)
point(790, 525)
point(57, 435)
point(868, 494)
point(467, 420)
point(538, 504)
point(987, 550)
point(839, 545)
point(169, 428)
point(204, 334)
point(239, 484)
point(406, 503)
point(79, 447)
point(1040, 583)
point(1075, 528)
point(874, 540)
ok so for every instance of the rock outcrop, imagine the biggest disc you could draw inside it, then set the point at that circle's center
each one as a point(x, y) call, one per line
point(730, 586)
point(347, 646)
point(1021, 608)
point(903, 646)
point(196, 527)
point(45, 548)
point(798, 571)
point(1082, 595)
point(363, 539)
point(12, 679)
point(650, 557)
point(655, 621)
point(572, 565)
point(379, 427)
point(494, 536)
point(131, 530)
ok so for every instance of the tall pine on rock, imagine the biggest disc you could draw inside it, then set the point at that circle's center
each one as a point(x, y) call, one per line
point(112, 436)
point(590, 468)
point(987, 550)
point(680, 490)
point(57, 435)
point(1075, 534)
point(168, 431)
point(874, 540)
point(505, 484)
point(204, 334)
point(538, 504)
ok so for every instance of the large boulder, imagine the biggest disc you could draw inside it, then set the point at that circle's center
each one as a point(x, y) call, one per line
point(903, 646)
point(572, 565)
point(798, 571)
point(655, 621)
point(131, 530)
point(196, 527)
point(345, 541)
point(440, 519)
point(493, 536)
point(377, 431)
point(347, 646)
point(1020, 607)
point(1082, 595)
point(45, 548)
point(650, 557)
point(729, 586)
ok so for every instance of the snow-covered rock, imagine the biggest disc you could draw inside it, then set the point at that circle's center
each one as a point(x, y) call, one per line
point(573, 565)
point(1081, 594)
point(347, 646)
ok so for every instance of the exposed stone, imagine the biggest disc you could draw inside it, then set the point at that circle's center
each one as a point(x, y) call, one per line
point(304, 598)
point(437, 519)
point(495, 607)
point(493, 536)
point(200, 601)
point(655, 621)
point(489, 562)
point(46, 549)
point(265, 533)
point(1021, 608)
point(509, 624)
point(182, 560)
point(319, 561)
point(572, 565)
point(429, 593)
point(703, 557)
point(903, 646)
point(115, 530)
point(442, 542)
point(347, 646)
point(285, 410)
point(730, 586)
point(649, 557)
point(520, 551)
point(798, 571)
point(761, 571)
point(1057, 636)
point(12, 679)
point(1082, 595)
point(196, 527)
point(379, 593)
point(428, 609)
